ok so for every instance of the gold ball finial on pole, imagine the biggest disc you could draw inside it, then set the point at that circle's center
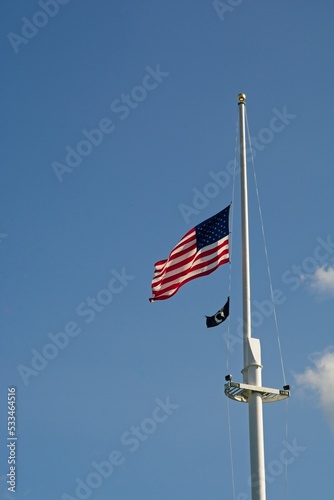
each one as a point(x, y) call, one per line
point(241, 97)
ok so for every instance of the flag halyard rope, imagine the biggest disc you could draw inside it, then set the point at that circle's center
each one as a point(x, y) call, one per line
point(273, 302)
point(266, 255)
point(231, 237)
point(229, 323)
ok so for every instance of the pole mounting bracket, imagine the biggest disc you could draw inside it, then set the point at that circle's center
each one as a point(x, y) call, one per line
point(241, 392)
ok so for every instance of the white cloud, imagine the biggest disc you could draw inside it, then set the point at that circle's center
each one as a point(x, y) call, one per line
point(320, 379)
point(322, 281)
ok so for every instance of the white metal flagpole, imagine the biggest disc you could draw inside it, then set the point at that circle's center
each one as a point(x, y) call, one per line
point(244, 226)
point(251, 390)
point(252, 349)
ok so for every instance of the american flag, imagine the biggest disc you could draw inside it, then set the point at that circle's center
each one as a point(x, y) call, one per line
point(200, 252)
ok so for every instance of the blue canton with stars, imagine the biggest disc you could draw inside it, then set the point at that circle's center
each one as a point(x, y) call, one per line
point(213, 229)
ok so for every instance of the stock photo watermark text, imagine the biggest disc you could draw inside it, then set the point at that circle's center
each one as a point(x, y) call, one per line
point(30, 27)
point(223, 8)
point(276, 467)
point(293, 277)
point(87, 309)
point(220, 180)
point(130, 440)
point(121, 108)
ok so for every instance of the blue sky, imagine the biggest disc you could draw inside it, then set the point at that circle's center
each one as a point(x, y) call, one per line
point(119, 131)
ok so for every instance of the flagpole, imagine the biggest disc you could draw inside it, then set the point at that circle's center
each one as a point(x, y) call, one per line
point(244, 225)
point(252, 350)
point(251, 390)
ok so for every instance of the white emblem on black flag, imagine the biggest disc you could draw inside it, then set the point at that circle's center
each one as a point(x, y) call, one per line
point(220, 316)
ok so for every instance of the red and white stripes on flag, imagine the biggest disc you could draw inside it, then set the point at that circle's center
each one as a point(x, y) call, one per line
point(200, 252)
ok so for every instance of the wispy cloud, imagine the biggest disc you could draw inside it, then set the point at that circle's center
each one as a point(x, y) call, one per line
point(319, 378)
point(322, 281)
